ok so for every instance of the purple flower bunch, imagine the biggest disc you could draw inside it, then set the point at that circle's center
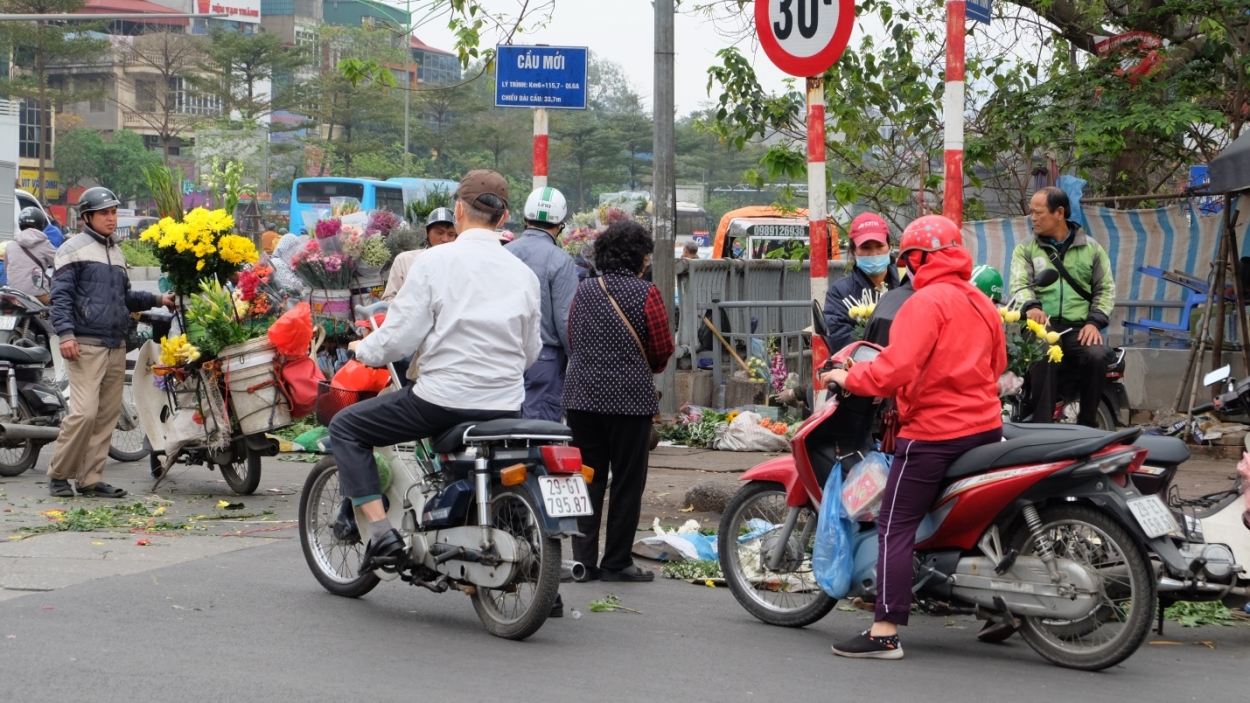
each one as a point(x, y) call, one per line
point(777, 368)
point(383, 221)
point(328, 228)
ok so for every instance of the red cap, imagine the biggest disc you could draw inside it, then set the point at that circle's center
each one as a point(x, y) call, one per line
point(869, 227)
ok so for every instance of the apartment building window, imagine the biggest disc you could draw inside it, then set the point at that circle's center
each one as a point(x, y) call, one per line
point(32, 137)
point(98, 87)
point(145, 94)
point(189, 101)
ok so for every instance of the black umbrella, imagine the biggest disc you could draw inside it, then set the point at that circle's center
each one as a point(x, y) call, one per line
point(1230, 171)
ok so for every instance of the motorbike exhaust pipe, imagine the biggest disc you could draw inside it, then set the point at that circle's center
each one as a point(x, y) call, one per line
point(1171, 585)
point(572, 570)
point(21, 433)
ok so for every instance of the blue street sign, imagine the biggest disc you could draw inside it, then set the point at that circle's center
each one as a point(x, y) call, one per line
point(541, 76)
point(979, 10)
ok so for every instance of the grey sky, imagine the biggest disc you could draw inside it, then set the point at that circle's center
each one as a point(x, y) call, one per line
point(623, 31)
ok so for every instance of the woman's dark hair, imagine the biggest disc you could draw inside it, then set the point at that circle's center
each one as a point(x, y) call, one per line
point(623, 247)
point(1056, 198)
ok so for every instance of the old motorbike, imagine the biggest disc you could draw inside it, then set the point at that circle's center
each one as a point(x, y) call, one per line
point(482, 508)
point(1045, 531)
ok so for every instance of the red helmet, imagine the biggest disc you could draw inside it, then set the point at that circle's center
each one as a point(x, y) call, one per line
point(930, 233)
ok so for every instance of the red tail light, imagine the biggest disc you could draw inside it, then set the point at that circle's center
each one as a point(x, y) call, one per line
point(562, 460)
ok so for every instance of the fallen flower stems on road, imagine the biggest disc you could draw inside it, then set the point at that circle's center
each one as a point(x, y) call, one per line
point(610, 604)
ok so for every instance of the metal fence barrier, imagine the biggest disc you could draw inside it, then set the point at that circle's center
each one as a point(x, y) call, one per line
point(790, 343)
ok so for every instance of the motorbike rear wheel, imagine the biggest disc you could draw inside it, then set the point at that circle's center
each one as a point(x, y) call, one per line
point(129, 442)
point(1119, 624)
point(333, 562)
point(242, 474)
point(17, 457)
point(505, 611)
point(790, 596)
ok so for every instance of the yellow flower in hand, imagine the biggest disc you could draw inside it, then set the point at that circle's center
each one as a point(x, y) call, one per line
point(1036, 328)
point(1055, 354)
point(1013, 316)
point(1052, 337)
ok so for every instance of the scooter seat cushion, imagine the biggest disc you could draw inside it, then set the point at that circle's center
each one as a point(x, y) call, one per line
point(24, 355)
point(1161, 450)
point(1033, 448)
point(454, 439)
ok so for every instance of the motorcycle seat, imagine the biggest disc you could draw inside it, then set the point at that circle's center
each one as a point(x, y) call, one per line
point(1033, 448)
point(1160, 449)
point(24, 355)
point(455, 438)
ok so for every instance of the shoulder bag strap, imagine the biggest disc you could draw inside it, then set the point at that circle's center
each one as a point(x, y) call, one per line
point(1081, 290)
point(628, 325)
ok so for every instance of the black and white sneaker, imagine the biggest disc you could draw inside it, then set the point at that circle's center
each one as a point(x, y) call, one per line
point(865, 646)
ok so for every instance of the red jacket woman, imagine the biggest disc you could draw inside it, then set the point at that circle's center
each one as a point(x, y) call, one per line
point(942, 367)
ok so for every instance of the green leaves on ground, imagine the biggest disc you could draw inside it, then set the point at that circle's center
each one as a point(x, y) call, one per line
point(610, 604)
point(133, 516)
point(699, 569)
point(1190, 614)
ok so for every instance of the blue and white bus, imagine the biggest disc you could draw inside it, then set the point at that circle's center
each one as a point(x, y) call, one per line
point(310, 194)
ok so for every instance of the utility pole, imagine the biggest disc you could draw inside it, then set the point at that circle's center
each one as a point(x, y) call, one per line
point(410, 81)
point(664, 191)
point(953, 199)
point(540, 147)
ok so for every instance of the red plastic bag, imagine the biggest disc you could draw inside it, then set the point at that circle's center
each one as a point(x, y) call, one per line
point(292, 333)
point(355, 376)
point(300, 377)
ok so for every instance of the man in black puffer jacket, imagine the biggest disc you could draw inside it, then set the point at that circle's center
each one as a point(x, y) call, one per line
point(91, 306)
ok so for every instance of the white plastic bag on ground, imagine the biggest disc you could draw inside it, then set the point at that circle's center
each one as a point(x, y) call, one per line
point(680, 544)
point(744, 434)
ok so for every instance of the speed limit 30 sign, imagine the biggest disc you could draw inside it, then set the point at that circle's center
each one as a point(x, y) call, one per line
point(804, 37)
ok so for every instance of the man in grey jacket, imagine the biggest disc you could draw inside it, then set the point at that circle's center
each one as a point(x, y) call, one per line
point(539, 248)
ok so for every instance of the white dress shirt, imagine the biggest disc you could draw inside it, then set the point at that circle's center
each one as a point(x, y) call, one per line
point(471, 312)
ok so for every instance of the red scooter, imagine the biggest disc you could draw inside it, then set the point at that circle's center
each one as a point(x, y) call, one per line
point(1045, 532)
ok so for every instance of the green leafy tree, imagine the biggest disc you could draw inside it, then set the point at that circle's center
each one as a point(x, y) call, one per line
point(235, 67)
point(80, 153)
point(36, 47)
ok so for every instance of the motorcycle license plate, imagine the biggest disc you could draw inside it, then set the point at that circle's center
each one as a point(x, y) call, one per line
point(1153, 516)
point(8, 322)
point(565, 496)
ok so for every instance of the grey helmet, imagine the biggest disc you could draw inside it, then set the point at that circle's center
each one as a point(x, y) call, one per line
point(440, 215)
point(98, 198)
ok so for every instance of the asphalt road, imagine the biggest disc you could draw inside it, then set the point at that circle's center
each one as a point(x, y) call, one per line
point(252, 625)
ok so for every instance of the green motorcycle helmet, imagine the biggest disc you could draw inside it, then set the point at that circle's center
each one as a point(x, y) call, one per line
point(989, 281)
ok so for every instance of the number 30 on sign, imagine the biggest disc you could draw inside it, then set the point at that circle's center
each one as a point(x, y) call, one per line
point(804, 37)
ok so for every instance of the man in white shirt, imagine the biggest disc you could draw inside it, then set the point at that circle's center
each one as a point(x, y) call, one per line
point(471, 312)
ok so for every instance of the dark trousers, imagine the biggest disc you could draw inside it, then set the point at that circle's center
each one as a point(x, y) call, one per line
point(616, 444)
point(388, 419)
point(1087, 364)
point(544, 386)
point(915, 478)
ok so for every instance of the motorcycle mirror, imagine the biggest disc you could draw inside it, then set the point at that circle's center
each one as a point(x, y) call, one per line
point(1045, 277)
point(1217, 375)
point(818, 320)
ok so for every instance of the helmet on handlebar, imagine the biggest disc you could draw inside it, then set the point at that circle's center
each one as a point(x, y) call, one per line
point(989, 280)
point(32, 218)
point(927, 234)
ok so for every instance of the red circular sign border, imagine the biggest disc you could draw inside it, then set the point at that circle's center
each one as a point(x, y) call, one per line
point(819, 62)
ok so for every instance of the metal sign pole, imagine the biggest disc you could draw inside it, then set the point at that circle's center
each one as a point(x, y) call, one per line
point(817, 208)
point(953, 104)
point(540, 147)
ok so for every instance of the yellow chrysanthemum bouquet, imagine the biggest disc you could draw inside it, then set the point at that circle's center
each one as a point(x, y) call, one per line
point(1027, 341)
point(199, 247)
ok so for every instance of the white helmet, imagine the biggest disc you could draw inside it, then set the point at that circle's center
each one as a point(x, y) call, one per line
point(546, 205)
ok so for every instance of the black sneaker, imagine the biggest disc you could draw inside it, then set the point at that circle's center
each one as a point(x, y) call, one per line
point(865, 646)
point(385, 551)
point(344, 525)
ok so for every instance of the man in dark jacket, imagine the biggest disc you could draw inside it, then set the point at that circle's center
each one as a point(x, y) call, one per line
point(539, 248)
point(870, 237)
point(91, 306)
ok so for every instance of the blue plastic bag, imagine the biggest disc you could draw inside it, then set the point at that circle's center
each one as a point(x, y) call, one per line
point(832, 560)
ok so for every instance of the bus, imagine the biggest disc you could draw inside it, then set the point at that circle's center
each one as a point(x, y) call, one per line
point(310, 198)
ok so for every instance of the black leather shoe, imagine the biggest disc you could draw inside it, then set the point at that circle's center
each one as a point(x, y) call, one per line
point(631, 573)
point(344, 526)
point(385, 551)
point(60, 488)
point(557, 608)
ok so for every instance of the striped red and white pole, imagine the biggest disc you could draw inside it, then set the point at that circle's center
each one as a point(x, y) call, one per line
point(817, 210)
point(540, 147)
point(953, 198)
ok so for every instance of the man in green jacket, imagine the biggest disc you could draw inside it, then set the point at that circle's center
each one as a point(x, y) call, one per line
point(1078, 305)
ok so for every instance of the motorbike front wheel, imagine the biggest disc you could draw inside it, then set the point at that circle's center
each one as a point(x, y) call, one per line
point(1126, 594)
point(517, 610)
point(334, 562)
point(788, 596)
point(18, 456)
point(129, 442)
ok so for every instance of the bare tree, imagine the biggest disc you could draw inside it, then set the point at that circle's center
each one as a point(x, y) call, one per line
point(158, 66)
